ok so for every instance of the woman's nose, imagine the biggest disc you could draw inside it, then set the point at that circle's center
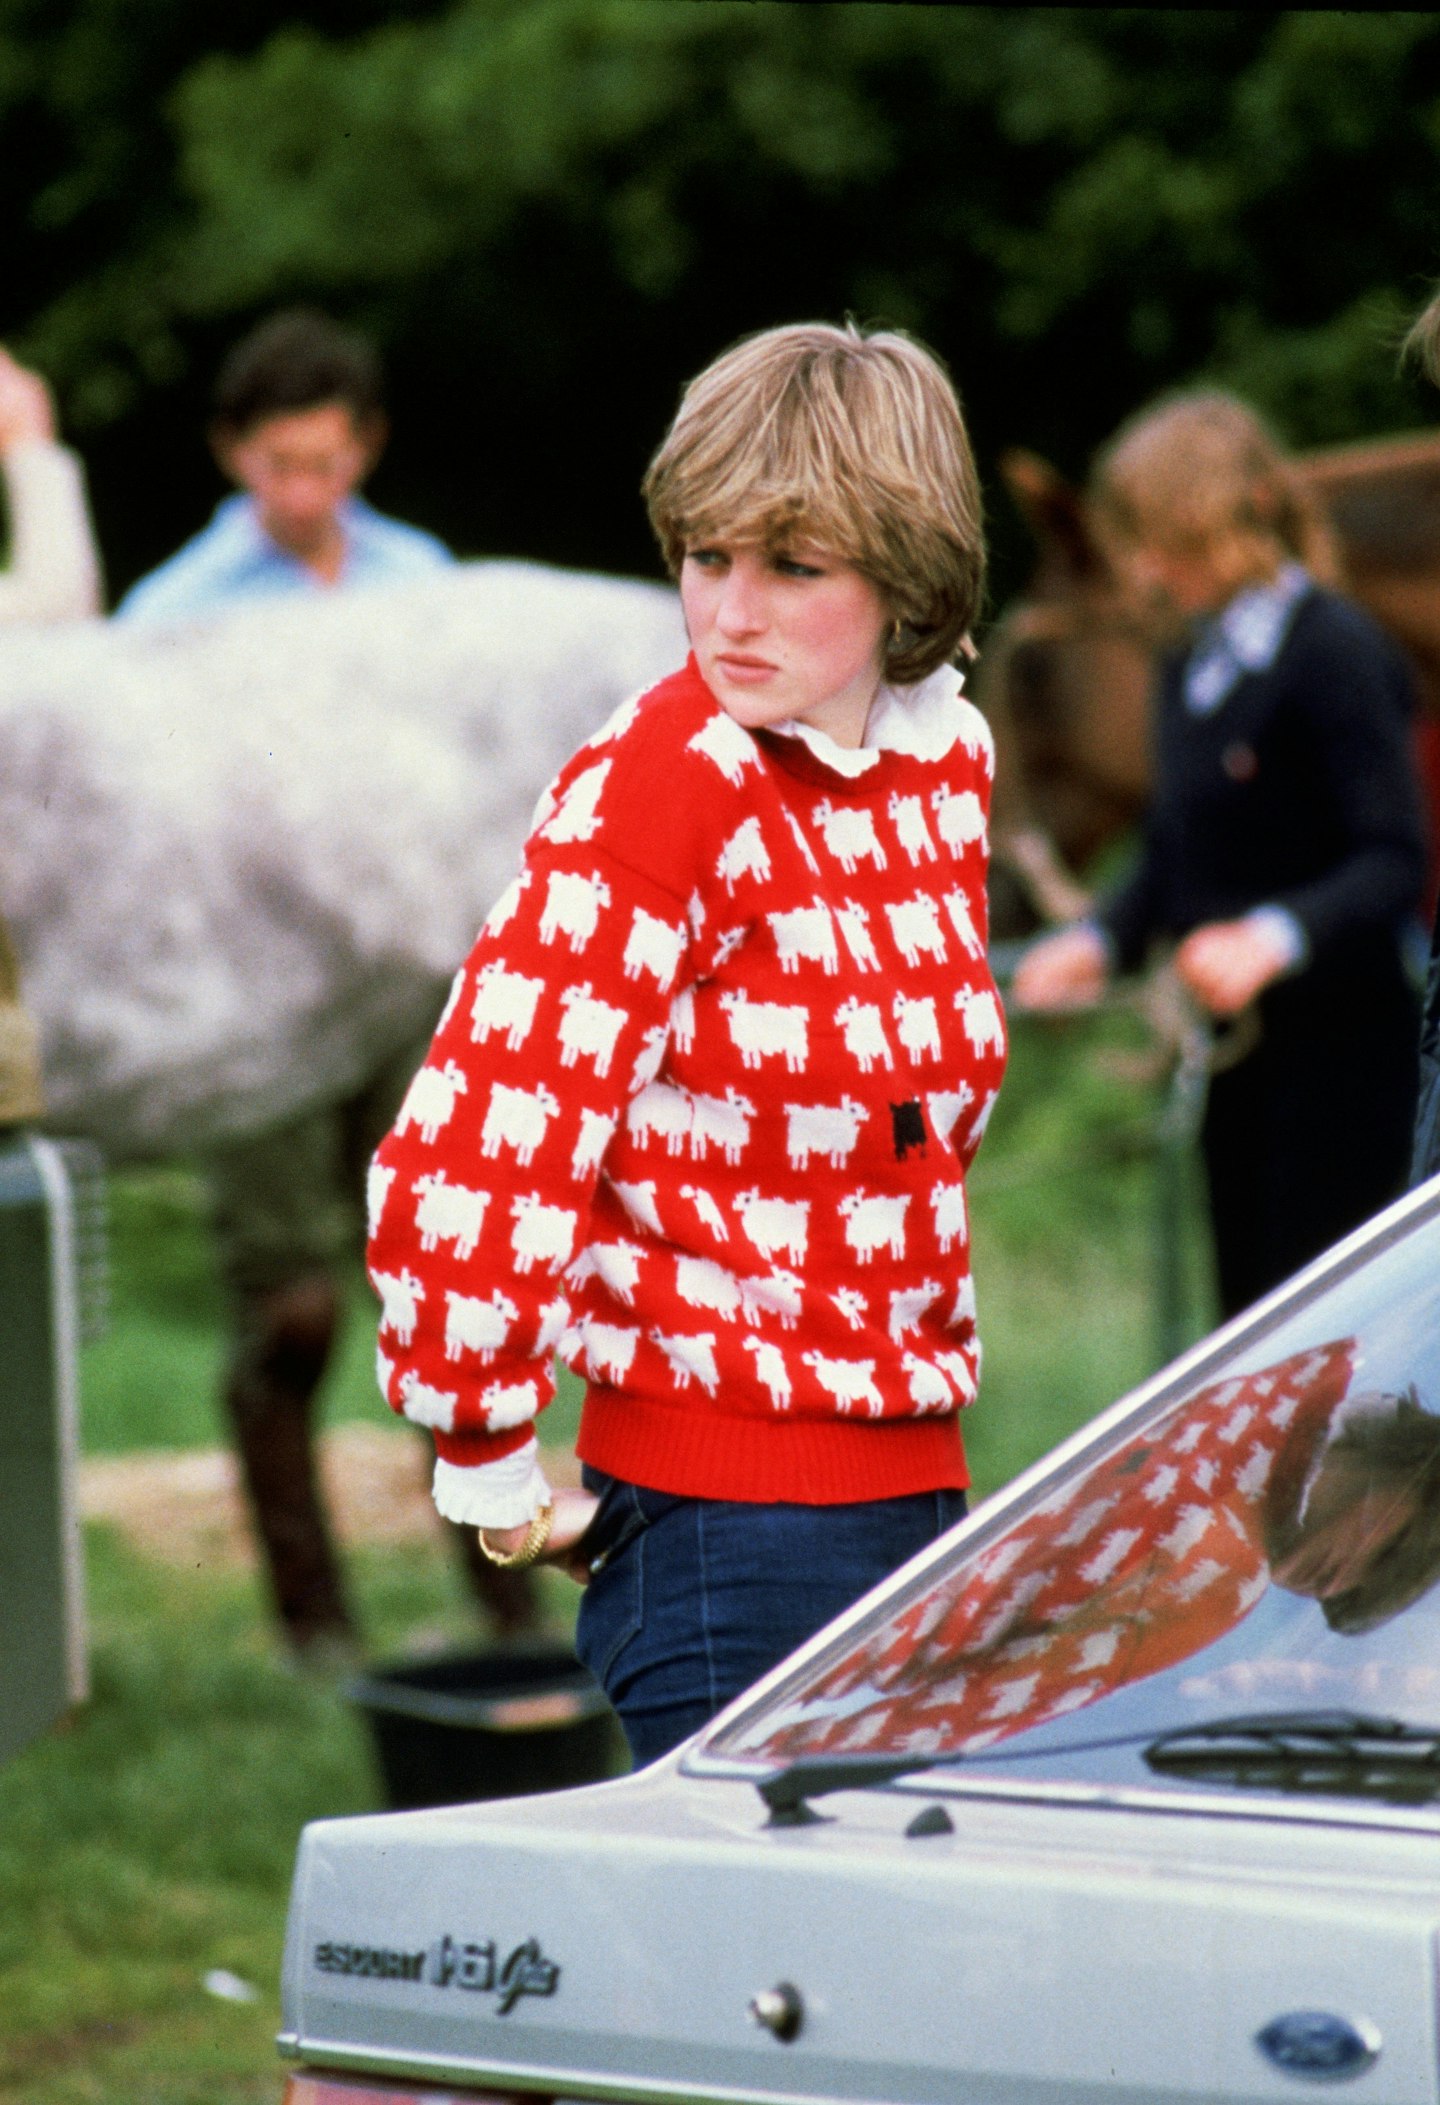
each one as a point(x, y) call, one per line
point(740, 611)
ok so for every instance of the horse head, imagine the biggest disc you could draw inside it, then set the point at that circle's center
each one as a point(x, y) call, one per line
point(1064, 680)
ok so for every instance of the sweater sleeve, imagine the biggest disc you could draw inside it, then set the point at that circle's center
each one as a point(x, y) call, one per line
point(1357, 708)
point(480, 1195)
point(56, 570)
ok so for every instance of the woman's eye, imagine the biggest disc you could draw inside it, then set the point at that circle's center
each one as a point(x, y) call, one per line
point(791, 566)
point(705, 558)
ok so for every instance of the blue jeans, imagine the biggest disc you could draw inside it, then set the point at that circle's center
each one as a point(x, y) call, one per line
point(693, 1599)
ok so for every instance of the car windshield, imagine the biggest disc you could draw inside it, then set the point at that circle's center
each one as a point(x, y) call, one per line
point(1258, 1532)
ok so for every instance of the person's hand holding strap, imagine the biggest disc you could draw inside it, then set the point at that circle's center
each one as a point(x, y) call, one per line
point(1065, 971)
point(1226, 964)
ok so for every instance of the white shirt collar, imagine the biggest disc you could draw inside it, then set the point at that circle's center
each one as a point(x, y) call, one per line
point(925, 720)
point(1245, 636)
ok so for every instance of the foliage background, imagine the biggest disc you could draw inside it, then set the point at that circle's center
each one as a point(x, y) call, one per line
point(551, 211)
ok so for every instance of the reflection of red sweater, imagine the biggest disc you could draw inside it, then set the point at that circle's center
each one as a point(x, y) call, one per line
point(698, 1113)
point(1150, 1556)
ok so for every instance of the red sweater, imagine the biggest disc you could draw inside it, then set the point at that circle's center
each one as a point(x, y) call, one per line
point(698, 1114)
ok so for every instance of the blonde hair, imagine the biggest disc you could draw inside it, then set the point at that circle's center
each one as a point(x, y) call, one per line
point(850, 440)
point(1200, 471)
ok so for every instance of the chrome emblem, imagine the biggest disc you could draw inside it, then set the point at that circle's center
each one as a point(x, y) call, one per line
point(1318, 2045)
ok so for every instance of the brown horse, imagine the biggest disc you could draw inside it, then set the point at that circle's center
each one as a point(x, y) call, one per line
point(1066, 673)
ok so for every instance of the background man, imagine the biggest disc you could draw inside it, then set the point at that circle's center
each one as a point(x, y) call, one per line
point(298, 425)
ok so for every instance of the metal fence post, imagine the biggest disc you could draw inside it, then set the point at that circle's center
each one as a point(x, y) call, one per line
point(42, 1646)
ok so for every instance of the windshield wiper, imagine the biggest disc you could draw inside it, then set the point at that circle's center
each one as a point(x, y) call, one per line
point(1340, 1752)
point(786, 1790)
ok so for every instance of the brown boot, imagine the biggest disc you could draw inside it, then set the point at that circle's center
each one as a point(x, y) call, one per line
point(283, 1339)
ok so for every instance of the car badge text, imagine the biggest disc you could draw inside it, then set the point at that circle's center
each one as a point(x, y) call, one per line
point(451, 1962)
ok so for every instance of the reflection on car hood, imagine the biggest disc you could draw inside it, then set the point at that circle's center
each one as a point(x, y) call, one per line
point(1264, 1537)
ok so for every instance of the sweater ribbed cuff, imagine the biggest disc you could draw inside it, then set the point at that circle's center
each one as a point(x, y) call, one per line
point(1282, 928)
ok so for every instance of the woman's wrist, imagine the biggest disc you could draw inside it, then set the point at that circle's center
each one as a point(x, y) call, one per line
point(515, 1548)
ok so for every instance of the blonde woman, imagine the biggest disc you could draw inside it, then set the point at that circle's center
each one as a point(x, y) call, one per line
point(1283, 850)
point(701, 1107)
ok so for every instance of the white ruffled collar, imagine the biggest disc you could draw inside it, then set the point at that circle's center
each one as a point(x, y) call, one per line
point(1244, 637)
point(925, 721)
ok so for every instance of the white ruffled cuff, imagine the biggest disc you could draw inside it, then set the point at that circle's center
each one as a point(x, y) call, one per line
point(504, 1494)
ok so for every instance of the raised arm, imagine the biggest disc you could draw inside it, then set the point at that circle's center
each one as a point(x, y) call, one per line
point(54, 572)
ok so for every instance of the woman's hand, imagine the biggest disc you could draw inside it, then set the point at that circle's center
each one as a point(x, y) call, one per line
point(574, 1511)
point(1064, 971)
point(1226, 964)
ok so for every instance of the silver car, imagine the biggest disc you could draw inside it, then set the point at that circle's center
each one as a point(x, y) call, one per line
point(1128, 1788)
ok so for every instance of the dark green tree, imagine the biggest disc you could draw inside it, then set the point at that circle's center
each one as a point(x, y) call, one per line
point(551, 211)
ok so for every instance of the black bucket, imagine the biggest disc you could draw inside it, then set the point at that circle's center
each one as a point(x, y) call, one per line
point(487, 1725)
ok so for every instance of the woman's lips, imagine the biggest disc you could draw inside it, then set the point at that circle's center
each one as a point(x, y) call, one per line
point(745, 671)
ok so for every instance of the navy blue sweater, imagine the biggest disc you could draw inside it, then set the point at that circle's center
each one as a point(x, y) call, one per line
point(1299, 790)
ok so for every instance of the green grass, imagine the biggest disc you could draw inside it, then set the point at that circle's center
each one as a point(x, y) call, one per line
point(151, 1380)
point(152, 1840)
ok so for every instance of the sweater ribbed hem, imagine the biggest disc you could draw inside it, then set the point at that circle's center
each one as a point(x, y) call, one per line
point(694, 1453)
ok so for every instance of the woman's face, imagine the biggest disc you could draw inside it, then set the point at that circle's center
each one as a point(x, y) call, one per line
point(301, 466)
point(1188, 577)
point(785, 636)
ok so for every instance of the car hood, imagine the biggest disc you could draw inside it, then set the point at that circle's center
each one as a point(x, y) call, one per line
point(610, 1942)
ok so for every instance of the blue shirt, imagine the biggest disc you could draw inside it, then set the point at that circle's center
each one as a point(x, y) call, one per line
point(234, 561)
